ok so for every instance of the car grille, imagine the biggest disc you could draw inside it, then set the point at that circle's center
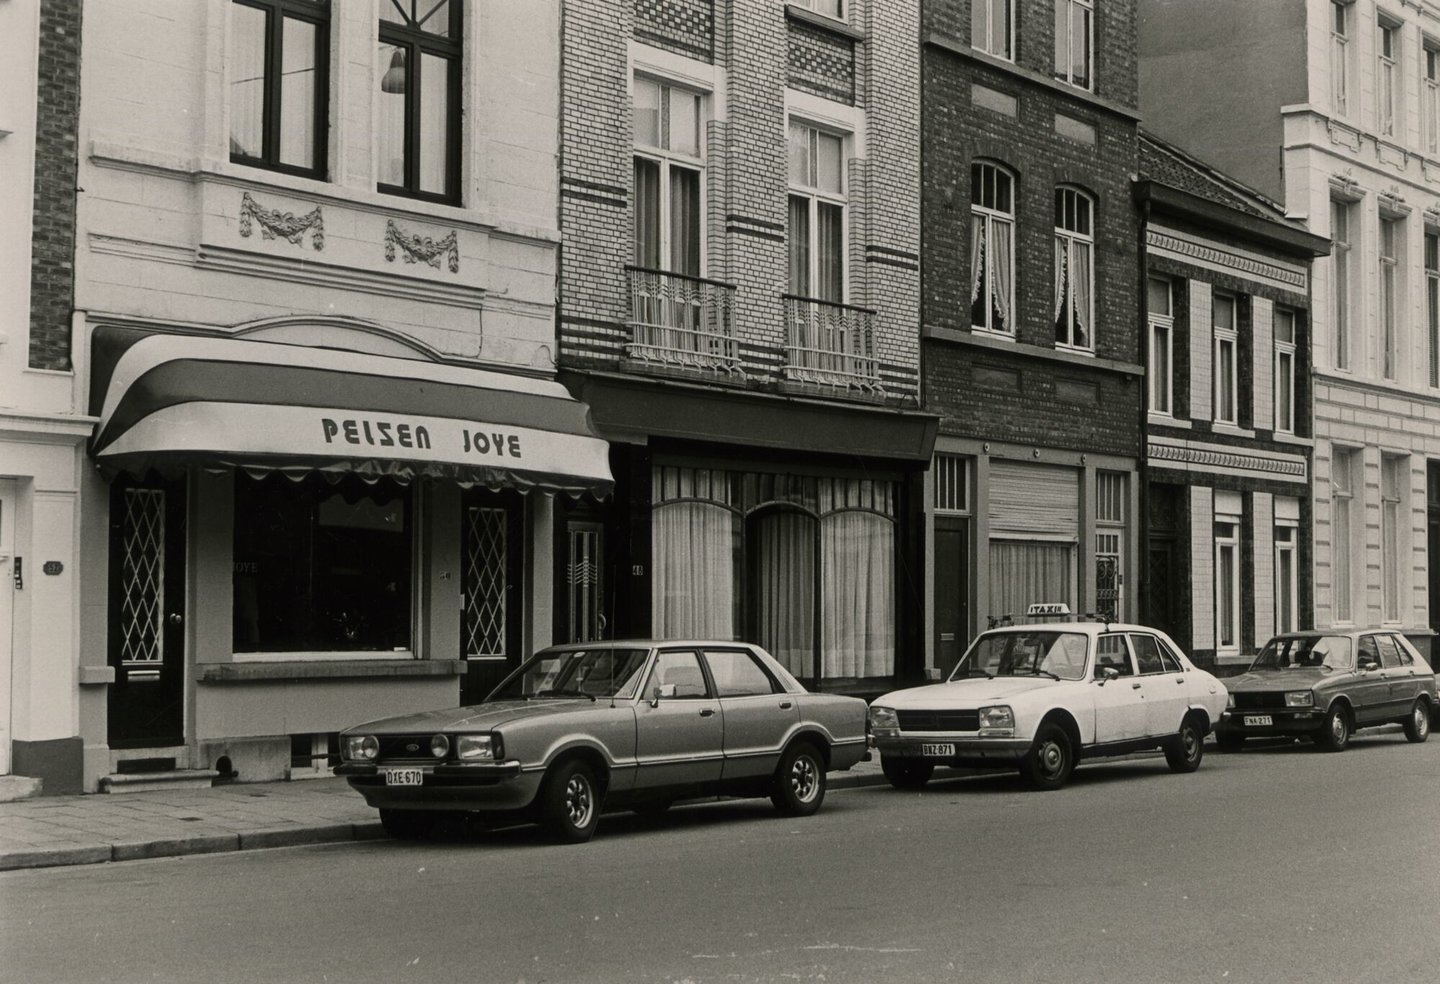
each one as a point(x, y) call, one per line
point(394, 748)
point(939, 720)
point(1244, 700)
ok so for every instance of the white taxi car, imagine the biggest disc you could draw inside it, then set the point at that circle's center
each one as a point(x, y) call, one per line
point(1046, 695)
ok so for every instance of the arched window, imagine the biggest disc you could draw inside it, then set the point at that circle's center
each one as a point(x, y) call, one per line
point(992, 248)
point(1074, 269)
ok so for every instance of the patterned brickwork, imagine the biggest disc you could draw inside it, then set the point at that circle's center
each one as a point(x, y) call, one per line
point(686, 27)
point(821, 62)
point(52, 276)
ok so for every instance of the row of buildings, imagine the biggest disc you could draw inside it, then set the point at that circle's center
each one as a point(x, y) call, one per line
point(350, 351)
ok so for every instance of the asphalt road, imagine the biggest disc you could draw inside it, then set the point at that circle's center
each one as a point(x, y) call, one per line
point(1276, 865)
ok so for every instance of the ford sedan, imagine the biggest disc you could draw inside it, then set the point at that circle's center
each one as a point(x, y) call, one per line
point(578, 729)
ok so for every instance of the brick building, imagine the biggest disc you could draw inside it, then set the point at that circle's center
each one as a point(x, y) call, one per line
point(1229, 425)
point(1032, 350)
point(739, 299)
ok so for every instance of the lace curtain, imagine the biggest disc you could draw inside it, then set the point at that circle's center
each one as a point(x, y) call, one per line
point(692, 583)
point(857, 579)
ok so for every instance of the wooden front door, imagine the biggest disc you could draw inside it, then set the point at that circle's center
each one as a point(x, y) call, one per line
point(952, 592)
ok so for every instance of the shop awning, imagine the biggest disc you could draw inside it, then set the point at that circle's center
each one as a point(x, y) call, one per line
point(172, 400)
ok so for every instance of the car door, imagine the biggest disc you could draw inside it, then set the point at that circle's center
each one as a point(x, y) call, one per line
point(679, 732)
point(1119, 703)
point(1400, 670)
point(758, 714)
point(1166, 696)
point(1371, 689)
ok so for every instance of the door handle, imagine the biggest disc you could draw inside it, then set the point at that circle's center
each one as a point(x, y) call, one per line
point(785, 705)
point(707, 712)
point(176, 618)
point(1134, 686)
point(1180, 681)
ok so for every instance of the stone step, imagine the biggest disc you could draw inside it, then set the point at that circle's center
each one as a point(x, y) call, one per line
point(146, 782)
point(14, 788)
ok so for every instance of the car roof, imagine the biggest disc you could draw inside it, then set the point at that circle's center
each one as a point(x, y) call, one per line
point(647, 643)
point(1088, 626)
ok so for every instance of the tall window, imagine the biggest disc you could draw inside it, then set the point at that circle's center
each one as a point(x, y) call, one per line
point(1432, 302)
point(1339, 56)
point(278, 84)
point(419, 99)
point(1387, 96)
point(668, 170)
point(830, 8)
point(992, 27)
point(1226, 372)
point(1392, 484)
point(1340, 260)
point(1074, 269)
point(992, 248)
point(1430, 98)
point(1227, 582)
point(1285, 370)
point(1162, 339)
point(1110, 545)
point(1342, 498)
point(817, 213)
point(1389, 261)
point(1074, 41)
point(1286, 575)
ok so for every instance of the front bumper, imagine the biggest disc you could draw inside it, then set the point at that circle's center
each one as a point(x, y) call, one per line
point(970, 750)
point(1284, 721)
point(481, 787)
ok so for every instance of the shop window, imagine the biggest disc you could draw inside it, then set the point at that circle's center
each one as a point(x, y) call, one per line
point(1028, 572)
point(418, 142)
point(322, 567)
point(277, 65)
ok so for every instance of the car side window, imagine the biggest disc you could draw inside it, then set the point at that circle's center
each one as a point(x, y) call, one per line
point(1369, 652)
point(1409, 655)
point(1168, 657)
point(1111, 651)
point(1390, 653)
point(1147, 654)
point(680, 669)
point(738, 674)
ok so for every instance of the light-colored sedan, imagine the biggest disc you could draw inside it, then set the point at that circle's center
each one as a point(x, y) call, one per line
point(639, 724)
point(1046, 696)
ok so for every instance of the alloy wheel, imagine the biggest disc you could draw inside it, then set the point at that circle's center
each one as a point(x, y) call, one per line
point(579, 801)
point(803, 778)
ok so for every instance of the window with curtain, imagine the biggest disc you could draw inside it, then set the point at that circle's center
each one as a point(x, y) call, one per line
point(992, 27)
point(418, 121)
point(695, 587)
point(1387, 97)
point(1227, 582)
point(1286, 577)
point(1340, 276)
point(1074, 269)
point(816, 227)
point(992, 248)
point(1342, 477)
point(1075, 41)
point(1392, 539)
point(278, 84)
point(783, 545)
point(669, 173)
point(1226, 371)
point(857, 563)
point(1390, 239)
point(1284, 370)
point(1340, 55)
point(830, 8)
point(1029, 572)
point(1160, 306)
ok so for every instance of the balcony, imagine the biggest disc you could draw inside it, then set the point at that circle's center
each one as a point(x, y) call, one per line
point(829, 344)
point(682, 322)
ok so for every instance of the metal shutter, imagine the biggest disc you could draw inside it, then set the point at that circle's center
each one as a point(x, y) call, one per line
point(1034, 501)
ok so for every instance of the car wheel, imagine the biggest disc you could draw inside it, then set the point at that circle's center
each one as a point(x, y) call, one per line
point(1050, 760)
point(406, 824)
point(651, 808)
point(800, 781)
point(1334, 734)
point(907, 773)
point(1417, 725)
point(570, 807)
point(1229, 741)
point(1184, 752)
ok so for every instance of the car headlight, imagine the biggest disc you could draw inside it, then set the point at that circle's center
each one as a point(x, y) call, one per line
point(997, 719)
point(1299, 698)
point(884, 720)
point(1229, 700)
point(439, 746)
point(363, 748)
point(478, 748)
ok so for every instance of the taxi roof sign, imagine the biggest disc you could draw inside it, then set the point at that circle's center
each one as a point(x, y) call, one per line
point(1048, 608)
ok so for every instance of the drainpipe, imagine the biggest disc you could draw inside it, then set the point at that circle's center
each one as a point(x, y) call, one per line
point(1142, 549)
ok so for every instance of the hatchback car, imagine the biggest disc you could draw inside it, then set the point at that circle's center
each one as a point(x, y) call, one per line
point(576, 729)
point(1045, 696)
point(1327, 684)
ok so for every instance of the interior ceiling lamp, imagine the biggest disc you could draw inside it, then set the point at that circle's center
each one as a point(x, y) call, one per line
point(394, 78)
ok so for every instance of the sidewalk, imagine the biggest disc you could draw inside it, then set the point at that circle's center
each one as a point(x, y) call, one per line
point(49, 831)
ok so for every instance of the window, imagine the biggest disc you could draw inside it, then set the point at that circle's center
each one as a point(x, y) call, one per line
point(817, 213)
point(1284, 370)
point(952, 483)
point(1160, 304)
point(1387, 97)
point(321, 567)
point(992, 27)
point(419, 101)
point(1149, 657)
point(1341, 258)
point(1074, 41)
point(1074, 269)
point(1110, 545)
point(1227, 582)
point(738, 674)
point(1286, 576)
point(1432, 302)
point(830, 8)
point(1389, 261)
point(1430, 98)
point(1111, 652)
point(278, 84)
point(1339, 56)
point(1226, 371)
point(1392, 485)
point(668, 178)
point(678, 675)
point(992, 248)
point(1341, 503)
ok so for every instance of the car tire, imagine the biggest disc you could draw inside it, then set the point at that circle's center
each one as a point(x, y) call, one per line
point(799, 784)
point(1229, 741)
point(903, 773)
point(570, 802)
point(1417, 725)
point(1334, 734)
point(1050, 760)
point(1184, 751)
point(406, 824)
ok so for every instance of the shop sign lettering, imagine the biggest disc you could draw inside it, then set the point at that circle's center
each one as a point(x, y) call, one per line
point(377, 433)
point(494, 443)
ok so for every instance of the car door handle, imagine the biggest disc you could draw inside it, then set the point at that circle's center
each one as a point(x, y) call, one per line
point(1134, 686)
point(707, 712)
point(785, 705)
point(1180, 681)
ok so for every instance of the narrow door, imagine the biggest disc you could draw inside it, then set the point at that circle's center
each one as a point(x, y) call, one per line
point(1161, 589)
point(952, 594)
point(147, 612)
point(492, 559)
point(7, 614)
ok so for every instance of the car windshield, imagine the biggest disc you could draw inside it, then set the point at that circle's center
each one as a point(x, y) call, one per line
point(1299, 652)
point(1050, 654)
point(592, 673)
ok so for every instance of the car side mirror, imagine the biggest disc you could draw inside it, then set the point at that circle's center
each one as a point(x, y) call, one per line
point(1107, 673)
point(661, 690)
point(1369, 665)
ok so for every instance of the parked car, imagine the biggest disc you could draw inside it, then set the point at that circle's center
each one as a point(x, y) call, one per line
point(577, 729)
point(1327, 684)
point(1047, 695)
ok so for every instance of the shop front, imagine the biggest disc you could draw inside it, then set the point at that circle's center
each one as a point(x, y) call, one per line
point(299, 538)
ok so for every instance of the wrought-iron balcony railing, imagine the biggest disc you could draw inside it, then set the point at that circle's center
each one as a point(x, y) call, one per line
point(830, 344)
point(678, 321)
